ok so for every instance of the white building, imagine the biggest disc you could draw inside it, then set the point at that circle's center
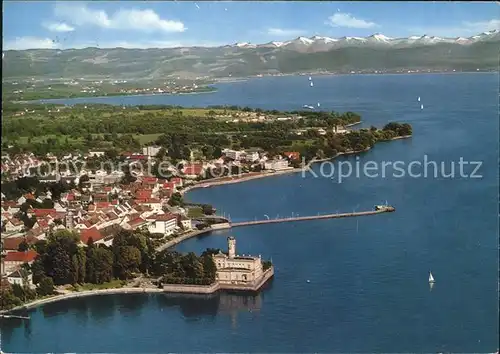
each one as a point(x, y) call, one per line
point(186, 223)
point(151, 151)
point(165, 224)
point(276, 164)
point(234, 269)
point(19, 276)
point(239, 155)
point(96, 153)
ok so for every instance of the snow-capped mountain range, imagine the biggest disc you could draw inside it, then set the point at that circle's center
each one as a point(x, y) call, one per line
point(318, 43)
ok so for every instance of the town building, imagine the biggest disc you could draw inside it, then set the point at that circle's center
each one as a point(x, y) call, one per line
point(13, 260)
point(234, 269)
point(151, 151)
point(20, 277)
point(276, 164)
point(164, 224)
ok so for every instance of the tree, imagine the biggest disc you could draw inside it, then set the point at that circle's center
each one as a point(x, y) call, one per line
point(23, 246)
point(99, 265)
point(176, 199)
point(207, 209)
point(127, 261)
point(45, 286)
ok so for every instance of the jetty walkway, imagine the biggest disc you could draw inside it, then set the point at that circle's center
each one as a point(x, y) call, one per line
point(314, 217)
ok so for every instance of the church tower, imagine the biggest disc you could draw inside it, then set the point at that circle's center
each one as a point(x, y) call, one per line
point(70, 220)
point(231, 246)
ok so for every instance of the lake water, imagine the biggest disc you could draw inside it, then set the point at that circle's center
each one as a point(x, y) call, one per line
point(368, 289)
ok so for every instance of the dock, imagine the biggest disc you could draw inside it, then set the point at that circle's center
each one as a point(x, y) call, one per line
point(379, 210)
point(15, 316)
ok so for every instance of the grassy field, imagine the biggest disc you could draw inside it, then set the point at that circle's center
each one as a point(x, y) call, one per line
point(195, 212)
point(142, 138)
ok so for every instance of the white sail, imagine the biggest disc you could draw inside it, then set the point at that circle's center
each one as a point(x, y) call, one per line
point(418, 98)
point(318, 104)
point(312, 84)
point(310, 78)
point(421, 106)
point(431, 278)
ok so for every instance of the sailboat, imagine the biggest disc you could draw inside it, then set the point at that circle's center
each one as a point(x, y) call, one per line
point(418, 98)
point(431, 278)
point(312, 84)
point(318, 104)
point(421, 106)
point(310, 78)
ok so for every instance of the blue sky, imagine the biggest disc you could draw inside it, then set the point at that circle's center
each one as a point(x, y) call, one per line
point(180, 23)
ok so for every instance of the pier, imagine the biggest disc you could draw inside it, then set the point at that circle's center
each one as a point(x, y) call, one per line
point(380, 210)
point(15, 316)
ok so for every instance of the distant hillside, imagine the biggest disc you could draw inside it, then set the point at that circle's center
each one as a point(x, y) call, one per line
point(376, 52)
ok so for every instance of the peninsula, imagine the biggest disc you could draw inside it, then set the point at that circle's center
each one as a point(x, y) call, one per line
point(92, 195)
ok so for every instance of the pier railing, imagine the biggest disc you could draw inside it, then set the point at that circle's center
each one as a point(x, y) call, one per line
point(313, 217)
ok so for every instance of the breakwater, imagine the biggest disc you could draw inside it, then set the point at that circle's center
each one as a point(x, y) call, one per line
point(314, 217)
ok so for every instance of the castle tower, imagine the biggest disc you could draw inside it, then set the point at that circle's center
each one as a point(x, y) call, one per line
point(70, 220)
point(231, 246)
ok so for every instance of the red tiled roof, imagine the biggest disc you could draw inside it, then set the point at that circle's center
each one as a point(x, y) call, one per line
point(15, 221)
point(24, 257)
point(43, 223)
point(195, 169)
point(163, 217)
point(93, 233)
point(70, 197)
point(176, 180)
point(9, 203)
point(12, 243)
point(148, 201)
point(136, 221)
point(102, 205)
point(143, 194)
point(149, 179)
point(138, 157)
point(43, 212)
point(169, 185)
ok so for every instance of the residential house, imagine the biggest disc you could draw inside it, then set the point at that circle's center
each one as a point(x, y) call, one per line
point(12, 243)
point(193, 170)
point(92, 233)
point(185, 222)
point(13, 260)
point(20, 277)
point(13, 225)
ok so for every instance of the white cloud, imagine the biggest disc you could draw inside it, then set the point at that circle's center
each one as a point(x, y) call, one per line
point(58, 27)
point(280, 32)
point(22, 43)
point(347, 20)
point(145, 44)
point(465, 29)
point(124, 19)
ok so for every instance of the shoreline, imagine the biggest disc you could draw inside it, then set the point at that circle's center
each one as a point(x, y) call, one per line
point(171, 243)
point(175, 289)
point(242, 178)
point(48, 100)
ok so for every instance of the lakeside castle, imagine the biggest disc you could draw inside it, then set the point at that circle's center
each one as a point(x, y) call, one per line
point(234, 269)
